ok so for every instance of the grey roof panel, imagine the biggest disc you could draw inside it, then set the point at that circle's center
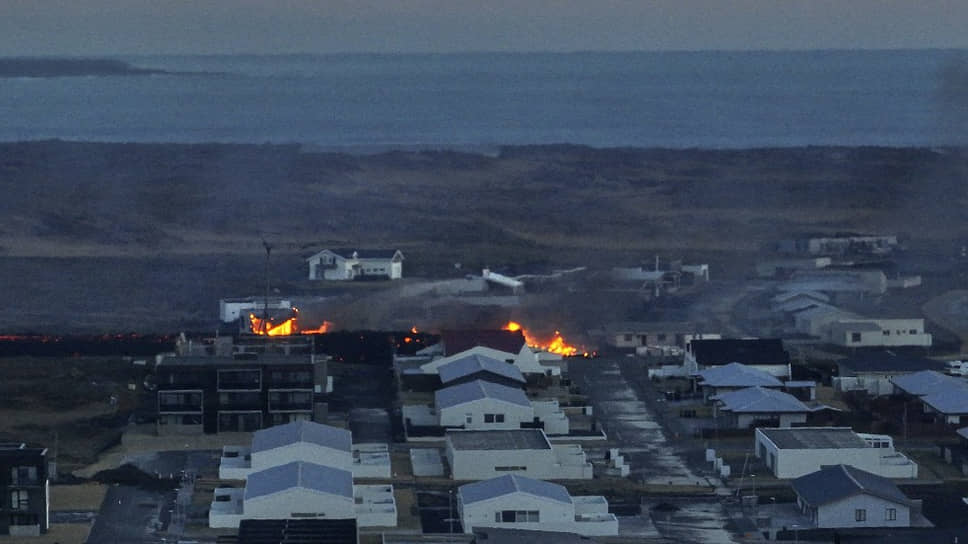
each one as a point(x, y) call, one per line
point(522, 439)
point(463, 393)
point(465, 366)
point(318, 478)
point(738, 375)
point(760, 400)
point(806, 438)
point(926, 382)
point(504, 485)
point(302, 431)
point(837, 482)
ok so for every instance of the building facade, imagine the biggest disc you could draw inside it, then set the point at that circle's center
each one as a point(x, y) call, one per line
point(791, 453)
point(25, 504)
point(480, 455)
point(845, 497)
point(516, 502)
point(356, 264)
point(243, 393)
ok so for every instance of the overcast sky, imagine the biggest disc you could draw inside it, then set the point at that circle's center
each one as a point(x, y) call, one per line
point(99, 27)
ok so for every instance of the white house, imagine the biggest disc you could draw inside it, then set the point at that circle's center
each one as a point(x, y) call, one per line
point(856, 333)
point(517, 502)
point(473, 367)
point(304, 490)
point(479, 455)
point(791, 453)
point(482, 405)
point(351, 264)
point(305, 441)
point(875, 372)
point(755, 406)
point(845, 497)
point(231, 309)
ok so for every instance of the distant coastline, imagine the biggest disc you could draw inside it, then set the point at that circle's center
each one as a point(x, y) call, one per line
point(69, 67)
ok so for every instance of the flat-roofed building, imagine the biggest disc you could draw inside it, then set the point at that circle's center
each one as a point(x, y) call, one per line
point(243, 393)
point(479, 455)
point(518, 502)
point(791, 453)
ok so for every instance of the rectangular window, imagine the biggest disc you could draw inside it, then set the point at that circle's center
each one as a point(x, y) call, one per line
point(860, 514)
point(890, 514)
point(886, 333)
point(510, 469)
point(855, 337)
point(19, 499)
point(499, 418)
point(469, 418)
point(913, 331)
point(517, 516)
point(488, 418)
point(23, 475)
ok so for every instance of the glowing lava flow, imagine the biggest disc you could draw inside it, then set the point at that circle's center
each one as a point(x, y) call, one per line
point(557, 343)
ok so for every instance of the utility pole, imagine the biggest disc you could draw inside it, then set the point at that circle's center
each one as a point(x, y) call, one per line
point(263, 326)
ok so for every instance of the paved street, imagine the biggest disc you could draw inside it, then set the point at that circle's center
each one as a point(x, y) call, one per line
point(624, 401)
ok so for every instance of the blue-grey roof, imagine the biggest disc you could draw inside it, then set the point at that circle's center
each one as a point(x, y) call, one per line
point(948, 400)
point(926, 382)
point(504, 485)
point(738, 375)
point(760, 400)
point(318, 478)
point(456, 395)
point(302, 431)
point(833, 483)
point(465, 366)
point(963, 432)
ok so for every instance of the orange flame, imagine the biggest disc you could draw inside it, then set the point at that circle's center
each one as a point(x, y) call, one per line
point(268, 328)
point(556, 344)
point(288, 327)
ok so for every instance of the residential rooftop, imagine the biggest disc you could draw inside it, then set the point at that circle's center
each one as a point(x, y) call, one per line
point(318, 478)
point(833, 483)
point(302, 431)
point(755, 351)
point(889, 361)
point(504, 485)
point(466, 366)
point(523, 439)
point(810, 438)
point(463, 393)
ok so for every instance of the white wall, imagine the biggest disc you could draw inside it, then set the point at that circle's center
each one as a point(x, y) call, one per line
point(549, 412)
point(795, 463)
point(538, 464)
point(456, 416)
point(298, 500)
point(840, 514)
point(553, 516)
point(899, 333)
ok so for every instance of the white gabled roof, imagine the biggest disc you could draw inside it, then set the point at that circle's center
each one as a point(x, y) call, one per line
point(302, 431)
point(738, 375)
point(760, 400)
point(298, 474)
point(477, 390)
point(470, 364)
point(505, 485)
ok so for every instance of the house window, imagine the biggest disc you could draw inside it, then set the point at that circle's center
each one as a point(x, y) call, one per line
point(23, 475)
point(886, 332)
point(913, 331)
point(19, 499)
point(517, 516)
point(890, 514)
point(23, 519)
point(469, 418)
point(510, 469)
point(860, 514)
point(488, 418)
point(855, 337)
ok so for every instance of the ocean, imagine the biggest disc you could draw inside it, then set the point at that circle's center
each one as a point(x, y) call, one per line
point(479, 101)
